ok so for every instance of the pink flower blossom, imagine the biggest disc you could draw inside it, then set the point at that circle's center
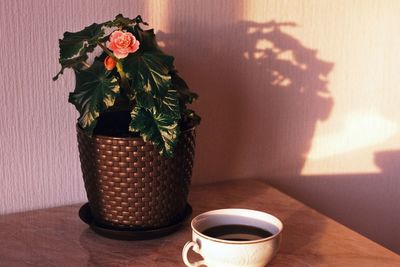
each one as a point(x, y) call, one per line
point(123, 43)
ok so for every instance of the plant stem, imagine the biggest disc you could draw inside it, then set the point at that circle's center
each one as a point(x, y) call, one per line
point(122, 74)
point(107, 51)
point(86, 64)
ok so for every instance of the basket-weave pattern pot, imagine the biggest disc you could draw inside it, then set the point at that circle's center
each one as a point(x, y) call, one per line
point(129, 185)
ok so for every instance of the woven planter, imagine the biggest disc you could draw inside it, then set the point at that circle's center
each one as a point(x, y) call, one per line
point(130, 186)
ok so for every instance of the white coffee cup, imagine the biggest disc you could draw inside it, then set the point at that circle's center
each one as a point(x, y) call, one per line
point(217, 252)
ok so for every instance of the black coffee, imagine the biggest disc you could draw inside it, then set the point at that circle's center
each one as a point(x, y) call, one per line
point(236, 232)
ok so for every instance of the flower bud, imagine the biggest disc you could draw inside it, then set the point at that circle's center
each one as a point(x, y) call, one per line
point(109, 63)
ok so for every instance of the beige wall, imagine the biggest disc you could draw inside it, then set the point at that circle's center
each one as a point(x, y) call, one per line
point(301, 93)
point(339, 153)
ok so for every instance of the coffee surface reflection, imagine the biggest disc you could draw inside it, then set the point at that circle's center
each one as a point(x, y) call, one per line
point(236, 232)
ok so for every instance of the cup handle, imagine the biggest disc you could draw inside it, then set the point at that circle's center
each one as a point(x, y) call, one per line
point(195, 247)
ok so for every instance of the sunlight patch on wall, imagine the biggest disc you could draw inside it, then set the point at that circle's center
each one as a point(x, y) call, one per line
point(352, 147)
point(361, 39)
point(158, 17)
point(359, 130)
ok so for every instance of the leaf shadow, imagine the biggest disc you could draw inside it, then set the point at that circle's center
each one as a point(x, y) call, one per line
point(261, 97)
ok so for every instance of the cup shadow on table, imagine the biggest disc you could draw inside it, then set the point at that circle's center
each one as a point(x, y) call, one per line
point(297, 235)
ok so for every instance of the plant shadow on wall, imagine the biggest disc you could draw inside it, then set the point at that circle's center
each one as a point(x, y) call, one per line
point(262, 94)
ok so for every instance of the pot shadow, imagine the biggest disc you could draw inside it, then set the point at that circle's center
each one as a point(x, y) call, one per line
point(389, 201)
point(346, 198)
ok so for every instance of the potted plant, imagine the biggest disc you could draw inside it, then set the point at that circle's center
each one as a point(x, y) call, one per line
point(135, 132)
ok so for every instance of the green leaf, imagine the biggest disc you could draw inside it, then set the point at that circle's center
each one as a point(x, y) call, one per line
point(119, 21)
point(149, 72)
point(185, 95)
point(144, 99)
point(190, 118)
point(169, 104)
point(70, 63)
point(147, 39)
point(77, 43)
point(156, 127)
point(75, 46)
point(139, 20)
point(123, 22)
point(94, 93)
point(157, 119)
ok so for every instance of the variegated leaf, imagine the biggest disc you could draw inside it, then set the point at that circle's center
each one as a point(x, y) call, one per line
point(94, 93)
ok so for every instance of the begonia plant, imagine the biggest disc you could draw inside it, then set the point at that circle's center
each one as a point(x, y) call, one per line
point(131, 74)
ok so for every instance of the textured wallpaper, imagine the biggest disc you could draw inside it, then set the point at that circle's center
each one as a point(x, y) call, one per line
point(303, 94)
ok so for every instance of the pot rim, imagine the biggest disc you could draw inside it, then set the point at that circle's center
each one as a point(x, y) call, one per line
point(79, 129)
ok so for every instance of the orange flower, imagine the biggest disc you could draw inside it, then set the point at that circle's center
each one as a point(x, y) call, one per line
point(109, 63)
point(123, 43)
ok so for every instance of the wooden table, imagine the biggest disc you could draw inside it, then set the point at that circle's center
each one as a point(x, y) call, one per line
point(57, 237)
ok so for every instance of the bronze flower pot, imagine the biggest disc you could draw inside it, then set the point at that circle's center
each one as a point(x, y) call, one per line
point(130, 186)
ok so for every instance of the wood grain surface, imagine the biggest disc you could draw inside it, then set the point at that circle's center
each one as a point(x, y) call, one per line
point(57, 237)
